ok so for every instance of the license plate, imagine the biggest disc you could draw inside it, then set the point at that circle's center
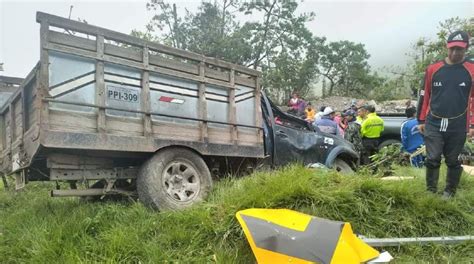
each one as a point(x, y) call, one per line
point(123, 94)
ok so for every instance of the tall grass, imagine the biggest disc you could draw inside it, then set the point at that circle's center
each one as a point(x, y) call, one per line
point(35, 228)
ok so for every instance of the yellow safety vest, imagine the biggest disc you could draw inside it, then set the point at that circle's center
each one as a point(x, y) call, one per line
point(372, 126)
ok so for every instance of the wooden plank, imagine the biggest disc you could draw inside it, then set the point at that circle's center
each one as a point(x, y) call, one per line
point(12, 124)
point(248, 137)
point(18, 119)
point(70, 121)
point(126, 126)
point(127, 39)
point(202, 105)
point(218, 75)
point(219, 135)
point(232, 109)
point(2, 132)
point(43, 89)
point(258, 109)
point(173, 64)
point(72, 41)
point(175, 131)
point(100, 86)
point(129, 63)
point(145, 95)
point(245, 81)
point(126, 53)
point(8, 138)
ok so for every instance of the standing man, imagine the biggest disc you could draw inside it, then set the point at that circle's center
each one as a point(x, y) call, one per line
point(370, 130)
point(446, 108)
point(411, 137)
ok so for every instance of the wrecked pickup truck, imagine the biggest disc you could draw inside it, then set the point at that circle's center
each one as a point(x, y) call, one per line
point(110, 113)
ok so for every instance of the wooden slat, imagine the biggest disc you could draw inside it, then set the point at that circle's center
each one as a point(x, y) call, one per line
point(100, 86)
point(249, 137)
point(219, 135)
point(258, 109)
point(129, 63)
point(43, 89)
point(12, 123)
point(218, 75)
point(18, 119)
point(69, 121)
point(8, 138)
point(245, 81)
point(127, 39)
point(73, 41)
point(232, 109)
point(145, 95)
point(2, 132)
point(124, 126)
point(173, 64)
point(175, 131)
point(202, 105)
point(126, 53)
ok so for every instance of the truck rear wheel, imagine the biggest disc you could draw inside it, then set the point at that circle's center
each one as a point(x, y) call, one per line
point(173, 179)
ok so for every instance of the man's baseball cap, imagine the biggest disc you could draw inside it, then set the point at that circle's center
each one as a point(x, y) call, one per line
point(458, 39)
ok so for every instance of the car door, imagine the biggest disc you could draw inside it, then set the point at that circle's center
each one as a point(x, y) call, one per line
point(294, 140)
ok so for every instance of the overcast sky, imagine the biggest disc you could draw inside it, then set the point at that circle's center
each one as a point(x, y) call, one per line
point(387, 28)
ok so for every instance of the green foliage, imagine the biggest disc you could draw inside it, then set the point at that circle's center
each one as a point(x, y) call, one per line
point(274, 38)
point(384, 161)
point(345, 65)
point(35, 228)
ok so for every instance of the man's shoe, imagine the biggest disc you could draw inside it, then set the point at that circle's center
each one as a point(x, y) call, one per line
point(452, 180)
point(447, 195)
point(432, 176)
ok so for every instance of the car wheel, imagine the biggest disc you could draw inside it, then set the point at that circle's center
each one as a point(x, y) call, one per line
point(342, 166)
point(173, 179)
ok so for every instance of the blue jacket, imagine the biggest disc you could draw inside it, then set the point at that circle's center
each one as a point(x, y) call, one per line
point(411, 137)
point(327, 125)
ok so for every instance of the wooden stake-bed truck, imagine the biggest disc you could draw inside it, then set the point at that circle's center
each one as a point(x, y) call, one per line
point(125, 114)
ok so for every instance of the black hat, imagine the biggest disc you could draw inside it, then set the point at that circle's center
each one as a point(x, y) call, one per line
point(458, 39)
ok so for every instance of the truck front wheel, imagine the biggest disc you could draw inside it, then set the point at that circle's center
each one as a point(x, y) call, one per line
point(173, 179)
point(342, 166)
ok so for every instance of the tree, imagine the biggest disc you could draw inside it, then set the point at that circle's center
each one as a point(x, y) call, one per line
point(276, 43)
point(344, 64)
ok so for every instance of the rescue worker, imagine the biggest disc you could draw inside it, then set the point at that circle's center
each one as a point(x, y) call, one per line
point(352, 132)
point(370, 130)
point(446, 108)
point(326, 124)
point(411, 136)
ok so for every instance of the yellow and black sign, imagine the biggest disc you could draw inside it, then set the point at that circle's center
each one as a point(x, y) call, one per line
point(286, 236)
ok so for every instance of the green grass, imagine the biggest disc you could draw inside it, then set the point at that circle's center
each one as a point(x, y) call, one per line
point(35, 228)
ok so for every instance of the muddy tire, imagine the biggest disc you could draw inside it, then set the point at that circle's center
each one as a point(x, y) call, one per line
point(173, 179)
point(342, 166)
